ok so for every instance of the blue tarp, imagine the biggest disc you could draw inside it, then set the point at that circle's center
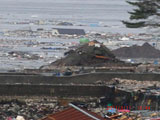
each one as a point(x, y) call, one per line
point(111, 110)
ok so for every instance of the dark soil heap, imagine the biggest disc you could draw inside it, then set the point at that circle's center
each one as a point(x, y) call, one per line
point(144, 51)
point(89, 54)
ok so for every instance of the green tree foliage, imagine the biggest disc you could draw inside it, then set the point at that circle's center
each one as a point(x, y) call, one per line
point(144, 9)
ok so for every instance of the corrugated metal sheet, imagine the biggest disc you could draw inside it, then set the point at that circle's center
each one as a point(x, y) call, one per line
point(71, 114)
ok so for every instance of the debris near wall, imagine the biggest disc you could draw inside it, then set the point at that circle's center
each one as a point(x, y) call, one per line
point(89, 54)
point(133, 93)
point(147, 68)
point(149, 87)
point(36, 108)
point(29, 109)
point(144, 51)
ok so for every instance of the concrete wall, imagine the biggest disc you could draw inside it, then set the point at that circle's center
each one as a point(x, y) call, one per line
point(37, 85)
point(54, 90)
point(118, 97)
point(80, 79)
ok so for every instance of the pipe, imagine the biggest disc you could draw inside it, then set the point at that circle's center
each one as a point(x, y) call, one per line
point(77, 108)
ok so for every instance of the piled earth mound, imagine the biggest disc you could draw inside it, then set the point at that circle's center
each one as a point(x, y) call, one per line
point(144, 51)
point(89, 54)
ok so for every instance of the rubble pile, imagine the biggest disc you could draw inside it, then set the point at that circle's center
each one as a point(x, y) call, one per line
point(103, 114)
point(35, 109)
point(146, 87)
point(27, 110)
point(144, 51)
point(141, 115)
point(89, 54)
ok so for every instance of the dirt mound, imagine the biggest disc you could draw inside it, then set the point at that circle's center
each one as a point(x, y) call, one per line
point(89, 54)
point(144, 51)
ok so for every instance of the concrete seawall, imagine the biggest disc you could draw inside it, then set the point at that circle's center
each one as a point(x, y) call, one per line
point(79, 79)
point(118, 97)
point(54, 90)
point(75, 86)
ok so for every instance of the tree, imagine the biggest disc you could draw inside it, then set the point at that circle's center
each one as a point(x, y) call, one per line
point(145, 13)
